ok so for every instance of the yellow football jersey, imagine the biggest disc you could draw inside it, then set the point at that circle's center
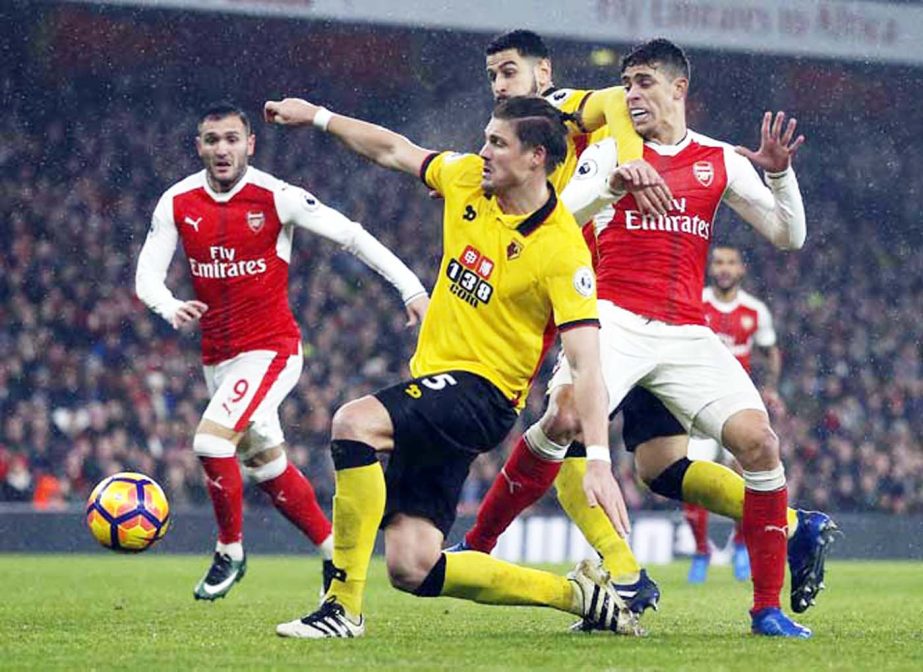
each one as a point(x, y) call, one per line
point(505, 282)
point(604, 113)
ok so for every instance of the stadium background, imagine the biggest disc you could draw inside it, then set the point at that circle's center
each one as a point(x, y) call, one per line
point(99, 107)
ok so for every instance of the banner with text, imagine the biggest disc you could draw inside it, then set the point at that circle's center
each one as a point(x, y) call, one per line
point(860, 30)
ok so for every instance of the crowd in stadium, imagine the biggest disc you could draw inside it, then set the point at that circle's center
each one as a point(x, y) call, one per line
point(92, 383)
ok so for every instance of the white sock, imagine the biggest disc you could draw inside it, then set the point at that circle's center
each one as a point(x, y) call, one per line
point(235, 551)
point(326, 548)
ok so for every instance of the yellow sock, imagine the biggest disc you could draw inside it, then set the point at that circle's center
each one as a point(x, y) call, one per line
point(358, 505)
point(594, 523)
point(475, 576)
point(720, 490)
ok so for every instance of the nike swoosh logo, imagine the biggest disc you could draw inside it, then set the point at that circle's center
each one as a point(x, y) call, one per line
point(214, 590)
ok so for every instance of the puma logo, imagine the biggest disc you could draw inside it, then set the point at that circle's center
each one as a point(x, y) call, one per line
point(194, 223)
point(513, 485)
point(775, 528)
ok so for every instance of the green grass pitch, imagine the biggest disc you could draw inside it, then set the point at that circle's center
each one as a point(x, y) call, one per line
point(107, 612)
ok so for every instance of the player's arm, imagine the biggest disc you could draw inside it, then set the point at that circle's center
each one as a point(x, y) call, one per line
point(599, 181)
point(609, 107)
point(151, 273)
point(383, 146)
point(581, 347)
point(765, 339)
point(775, 209)
point(304, 210)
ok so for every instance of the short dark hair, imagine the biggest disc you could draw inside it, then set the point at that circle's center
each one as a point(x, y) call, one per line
point(221, 110)
point(525, 42)
point(538, 124)
point(658, 52)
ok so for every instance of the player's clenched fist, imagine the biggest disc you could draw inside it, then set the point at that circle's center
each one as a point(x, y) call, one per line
point(289, 112)
point(647, 186)
point(188, 313)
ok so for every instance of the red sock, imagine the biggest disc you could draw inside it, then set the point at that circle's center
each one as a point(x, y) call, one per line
point(294, 497)
point(226, 489)
point(525, 478)
point(697, 517)
point(764, 527)
point(738, 537)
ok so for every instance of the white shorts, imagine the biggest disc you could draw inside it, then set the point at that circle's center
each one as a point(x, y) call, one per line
point(246, 392)
point(709, 450)
point(686, 366)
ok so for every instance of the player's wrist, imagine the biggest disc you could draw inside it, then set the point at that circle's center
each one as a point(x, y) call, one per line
point(322, 117)
point(598, 452)
point(416, 294)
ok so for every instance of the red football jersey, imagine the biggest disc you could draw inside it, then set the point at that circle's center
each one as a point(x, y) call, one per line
point(238, 253)
point(655, 266)
point(740, 323)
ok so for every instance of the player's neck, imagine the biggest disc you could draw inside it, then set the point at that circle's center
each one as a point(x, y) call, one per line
point(524, 199)
point(670, 132)
point(218, 187)
point(725, 295)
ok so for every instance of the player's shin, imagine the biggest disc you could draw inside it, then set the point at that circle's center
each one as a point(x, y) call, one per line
point(358, 506)
point(710, 485)
point(764, 528)
point(225, 489)
point(291, 493)
point(470, 575)
point(527, 475)
point(617, 556)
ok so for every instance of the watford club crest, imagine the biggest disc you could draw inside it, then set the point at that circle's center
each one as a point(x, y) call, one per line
point(255, 221)
point(513, 250)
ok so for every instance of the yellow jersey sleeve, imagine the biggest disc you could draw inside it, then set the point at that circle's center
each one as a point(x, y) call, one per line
point(445, 171)
point(571, 284)
point(608, 107)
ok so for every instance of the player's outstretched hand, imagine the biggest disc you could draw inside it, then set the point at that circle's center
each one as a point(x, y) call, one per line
point(602, 490)
point(776, 148)
point(640, 179)
point(188, 313)
point(289, 112)
point(416, 309)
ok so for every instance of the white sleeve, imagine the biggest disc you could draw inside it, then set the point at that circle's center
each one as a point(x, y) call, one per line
point(302, 209)
point(776, 210)
point(588, 192)
point(154, 261)
point(765, 336)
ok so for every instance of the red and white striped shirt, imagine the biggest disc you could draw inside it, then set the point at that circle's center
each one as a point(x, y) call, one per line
point(654, 266)
point(740, 323)
point(238, 245)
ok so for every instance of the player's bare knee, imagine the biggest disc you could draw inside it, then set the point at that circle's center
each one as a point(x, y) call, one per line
point(365, 420)
point(758, 449)
point(408, 565)
point(263, 457)
point(560, 422)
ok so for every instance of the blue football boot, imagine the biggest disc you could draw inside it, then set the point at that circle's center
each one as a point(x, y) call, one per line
point(641, 595)
point(698, 570)
point(807, 553)
point(741, 561)
point(771, 622)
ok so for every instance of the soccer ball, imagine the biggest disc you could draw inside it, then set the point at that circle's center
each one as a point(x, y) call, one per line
point(128, 512)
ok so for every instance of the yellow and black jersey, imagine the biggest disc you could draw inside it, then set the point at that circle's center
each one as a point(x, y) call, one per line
point(604, 113)
point(505, 282)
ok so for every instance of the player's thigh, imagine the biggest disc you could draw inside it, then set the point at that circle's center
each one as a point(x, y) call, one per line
point(250, 388)
point(701, 382)
point(441, 423)
point(366, 420)
point(626, 354)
